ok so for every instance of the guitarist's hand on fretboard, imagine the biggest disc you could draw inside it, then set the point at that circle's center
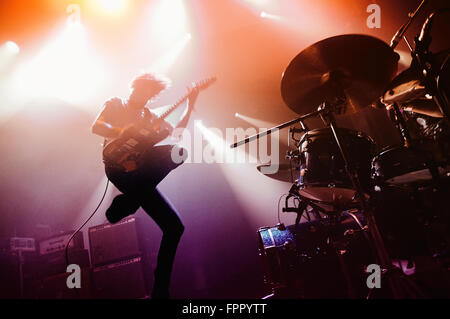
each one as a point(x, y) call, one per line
point(193, 94)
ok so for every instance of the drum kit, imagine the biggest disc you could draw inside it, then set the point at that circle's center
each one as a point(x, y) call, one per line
point(351, 190)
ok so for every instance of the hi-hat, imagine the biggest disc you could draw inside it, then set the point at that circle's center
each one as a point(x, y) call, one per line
point(355, 67)
point(409, 92)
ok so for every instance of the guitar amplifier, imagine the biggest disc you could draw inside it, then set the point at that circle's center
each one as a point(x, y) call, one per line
point(22, 244)
point(120, 280)
point(110, 243)
point(58, 243)
point(9, 276)
point(55, 287)
point(54, 263)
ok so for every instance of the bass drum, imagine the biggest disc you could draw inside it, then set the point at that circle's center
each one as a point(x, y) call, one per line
point(301, 261)
point(323, 177)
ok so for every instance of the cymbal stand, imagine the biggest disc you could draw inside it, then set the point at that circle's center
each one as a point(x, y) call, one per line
point(394, 280)
point(276, 128)
point(331, 222)
point(399, 121)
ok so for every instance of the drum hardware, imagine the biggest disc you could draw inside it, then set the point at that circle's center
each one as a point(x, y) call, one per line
point(293, 131)
point(399, 121)
point(335, 74)
point(421, 89)
point(408, 90)
point(326, 112)
point(424, 60)
point(374, 232)
point(399, 34)
point(301, 208)
point(423, 77)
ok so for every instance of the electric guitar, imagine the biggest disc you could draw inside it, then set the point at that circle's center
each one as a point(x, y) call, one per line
point(125, 151)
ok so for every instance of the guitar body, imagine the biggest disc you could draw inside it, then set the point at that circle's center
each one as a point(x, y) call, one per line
point(126, 151)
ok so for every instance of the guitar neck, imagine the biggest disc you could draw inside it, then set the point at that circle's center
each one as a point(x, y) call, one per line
point(199, 85)
point(174, 106)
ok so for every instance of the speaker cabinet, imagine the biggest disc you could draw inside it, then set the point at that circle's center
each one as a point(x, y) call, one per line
point(110, 243)
point(121, 280)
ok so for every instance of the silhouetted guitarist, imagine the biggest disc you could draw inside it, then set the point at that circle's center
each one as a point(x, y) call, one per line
point(137, 179)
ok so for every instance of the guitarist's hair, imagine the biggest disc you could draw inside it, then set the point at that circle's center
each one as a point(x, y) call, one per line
point(151, 80)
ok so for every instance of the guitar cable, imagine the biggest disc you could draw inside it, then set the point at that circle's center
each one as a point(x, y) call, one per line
point(87, 220)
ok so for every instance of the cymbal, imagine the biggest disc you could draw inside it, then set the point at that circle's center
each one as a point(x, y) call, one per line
point(357, 67)
point(408, 91)
point(423, 106)
point(283, 174)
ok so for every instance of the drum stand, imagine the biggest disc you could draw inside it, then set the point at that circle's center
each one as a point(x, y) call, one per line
point(398, 283)
point(333, 220)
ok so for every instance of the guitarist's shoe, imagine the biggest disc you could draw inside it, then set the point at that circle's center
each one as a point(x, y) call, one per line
point(122, 206)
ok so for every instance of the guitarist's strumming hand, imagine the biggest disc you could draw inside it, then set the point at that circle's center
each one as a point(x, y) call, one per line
point(128, 131)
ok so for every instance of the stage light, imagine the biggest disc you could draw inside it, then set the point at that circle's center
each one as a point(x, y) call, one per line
point(64, 68)
point(169, 19)
point(269, 16)
point(219, 143)
point(262, 5)
point(259, 3)
point(12, 47)
point(8, 51)
point(236, 114)
point(163, 64)
point(107, 7)
point(113, 5)
point(255, 122)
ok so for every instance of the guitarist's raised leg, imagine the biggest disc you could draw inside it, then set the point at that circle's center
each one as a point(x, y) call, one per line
point(122, 206)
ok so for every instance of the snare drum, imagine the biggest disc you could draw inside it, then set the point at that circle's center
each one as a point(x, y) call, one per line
point(323, 177)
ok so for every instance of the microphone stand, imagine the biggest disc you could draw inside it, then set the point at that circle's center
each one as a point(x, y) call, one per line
point(278, 127)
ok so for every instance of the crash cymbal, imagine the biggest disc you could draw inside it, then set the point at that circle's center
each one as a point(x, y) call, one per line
point(357, 67)
point(283, 174)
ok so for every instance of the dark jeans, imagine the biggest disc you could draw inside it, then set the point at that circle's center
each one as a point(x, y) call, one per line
point(139, 189)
